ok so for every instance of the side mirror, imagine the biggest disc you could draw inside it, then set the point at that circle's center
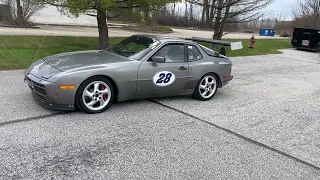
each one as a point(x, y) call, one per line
point(158, 59)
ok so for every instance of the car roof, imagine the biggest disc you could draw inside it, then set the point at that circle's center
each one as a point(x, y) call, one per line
point(166, 38)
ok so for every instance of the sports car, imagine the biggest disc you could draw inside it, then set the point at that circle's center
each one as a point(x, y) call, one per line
point(139, 67)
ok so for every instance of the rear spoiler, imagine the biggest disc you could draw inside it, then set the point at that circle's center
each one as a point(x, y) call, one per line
point(216, 43)
point(211, 41)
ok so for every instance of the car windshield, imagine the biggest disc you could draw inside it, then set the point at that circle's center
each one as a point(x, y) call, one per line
point(134, 47)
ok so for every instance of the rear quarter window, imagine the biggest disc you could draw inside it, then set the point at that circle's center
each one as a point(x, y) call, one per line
point(208, 51)
point(193, 53)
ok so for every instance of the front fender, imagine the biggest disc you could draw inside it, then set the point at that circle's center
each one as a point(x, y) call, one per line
point(124, 76)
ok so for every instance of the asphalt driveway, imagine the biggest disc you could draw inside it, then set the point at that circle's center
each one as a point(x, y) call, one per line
point(264, 125)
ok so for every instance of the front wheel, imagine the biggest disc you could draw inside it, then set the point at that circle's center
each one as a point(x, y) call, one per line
point(206, 87)
point(95, 95)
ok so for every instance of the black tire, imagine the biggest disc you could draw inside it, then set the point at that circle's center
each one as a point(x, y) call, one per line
point(197, 94)
point(80, 102)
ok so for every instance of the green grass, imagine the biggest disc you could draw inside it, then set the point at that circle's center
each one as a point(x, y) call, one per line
point(18, 52)
point(261, 47)
point(149, 28)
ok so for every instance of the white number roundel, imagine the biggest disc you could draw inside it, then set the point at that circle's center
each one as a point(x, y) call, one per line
point(164, 78)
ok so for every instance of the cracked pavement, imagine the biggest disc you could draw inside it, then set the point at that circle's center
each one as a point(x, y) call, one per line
point(273, 100)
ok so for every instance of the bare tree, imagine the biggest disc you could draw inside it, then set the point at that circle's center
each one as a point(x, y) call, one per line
point(307, 14)
point(21, 11)
point(231, 11)
point(237, 11)
point(280, 22)
point(30, 8)
point(283, 25)
point(269, 22)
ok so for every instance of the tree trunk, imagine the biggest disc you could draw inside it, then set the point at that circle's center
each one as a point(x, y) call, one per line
point(219, 28)
point(202, 17)
point(206, 3)
point(217, 22)
point(212, 11)
point(191, 15)
point(147, 15)
point(130, 11)
point(103, 29)
point(173, 11)
point(186, 14)
point(164, 14)
point(19, 12)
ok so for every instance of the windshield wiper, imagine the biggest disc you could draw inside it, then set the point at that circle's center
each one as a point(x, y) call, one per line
point(121, 53)
point(109, 49)
point(117, 52)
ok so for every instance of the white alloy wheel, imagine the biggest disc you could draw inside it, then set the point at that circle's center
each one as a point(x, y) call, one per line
point(96, 95)
point(207, 86)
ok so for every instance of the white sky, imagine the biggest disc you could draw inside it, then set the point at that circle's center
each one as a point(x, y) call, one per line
point(283, 7)
point(51, 15)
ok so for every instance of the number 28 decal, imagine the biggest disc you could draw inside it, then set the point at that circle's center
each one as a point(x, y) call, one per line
point(164, 78)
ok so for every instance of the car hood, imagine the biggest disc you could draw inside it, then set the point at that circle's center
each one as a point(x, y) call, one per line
point(68, 61)
point(42, 70)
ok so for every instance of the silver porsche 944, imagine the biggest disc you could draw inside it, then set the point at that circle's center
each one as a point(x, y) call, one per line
point(139, 67)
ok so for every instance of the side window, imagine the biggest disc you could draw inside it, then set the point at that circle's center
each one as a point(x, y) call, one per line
point(194, 53)
point(173, 53)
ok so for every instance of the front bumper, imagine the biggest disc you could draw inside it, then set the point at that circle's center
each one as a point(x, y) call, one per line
point(39, 99)
point(42, 95)
point(227, 81)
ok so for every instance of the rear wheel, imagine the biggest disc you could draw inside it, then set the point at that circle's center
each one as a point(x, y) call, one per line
point(95, 95)
point(206, 87)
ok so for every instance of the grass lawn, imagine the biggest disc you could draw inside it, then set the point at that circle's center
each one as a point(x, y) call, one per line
point(261, 47)
point(149, 28)
point(18, 52)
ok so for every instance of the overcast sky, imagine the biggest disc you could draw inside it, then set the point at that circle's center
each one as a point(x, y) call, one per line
point(282, 6)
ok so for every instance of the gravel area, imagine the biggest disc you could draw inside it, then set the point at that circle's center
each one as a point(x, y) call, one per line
point(263, 125)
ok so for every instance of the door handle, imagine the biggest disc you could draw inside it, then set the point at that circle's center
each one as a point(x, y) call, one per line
point(182, 68)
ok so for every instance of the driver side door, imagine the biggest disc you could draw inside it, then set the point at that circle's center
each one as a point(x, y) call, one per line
point(164, 79)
